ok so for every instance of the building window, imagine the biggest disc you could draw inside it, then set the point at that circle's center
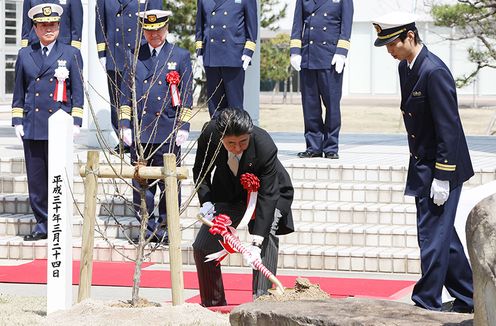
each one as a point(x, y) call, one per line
point(10, 60)
point(10, 22)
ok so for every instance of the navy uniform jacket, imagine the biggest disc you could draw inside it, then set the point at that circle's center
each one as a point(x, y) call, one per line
point(260, 158)
point(225, 31)
point(321, 28)
point(116, 28)
point(35, 84)
point(71, 22)
point(438, 148)
point(156, 115)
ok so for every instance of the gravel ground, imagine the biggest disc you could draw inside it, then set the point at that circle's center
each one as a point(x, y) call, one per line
point(15, 310)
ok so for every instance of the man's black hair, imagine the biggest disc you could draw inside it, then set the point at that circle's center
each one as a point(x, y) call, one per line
point(234, 122)
point(416, 37)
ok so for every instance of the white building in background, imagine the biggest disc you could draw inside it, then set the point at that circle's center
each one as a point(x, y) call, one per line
point(370, 70)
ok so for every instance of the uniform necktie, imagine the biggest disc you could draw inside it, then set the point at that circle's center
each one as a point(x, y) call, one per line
point(154, 53)
point(233, 163)
point(45, 51)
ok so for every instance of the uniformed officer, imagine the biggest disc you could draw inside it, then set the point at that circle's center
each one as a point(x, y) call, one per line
point(226, 34)
point(163, 79)
point(439, 161)
point(116, 32)
point(40, 68)
point(320, 39)
point(71, 23)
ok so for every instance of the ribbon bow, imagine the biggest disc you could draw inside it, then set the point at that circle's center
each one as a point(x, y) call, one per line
point(250, 183)
point(61, 73)
point(222, 225)
point(173, 80)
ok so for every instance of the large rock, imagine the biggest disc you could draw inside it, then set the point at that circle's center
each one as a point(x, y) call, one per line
point(481, 243)
point(341, 312)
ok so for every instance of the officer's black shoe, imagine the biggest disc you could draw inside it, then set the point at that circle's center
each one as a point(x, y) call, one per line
point(307, 154)
point(125, 148)
point(450, 307)
point(35, 236)
point(332, 156)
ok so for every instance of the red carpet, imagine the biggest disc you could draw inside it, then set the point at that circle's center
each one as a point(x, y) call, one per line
point(237, 286)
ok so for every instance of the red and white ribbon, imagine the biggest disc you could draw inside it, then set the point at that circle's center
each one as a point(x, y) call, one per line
point(173, 79)
point(60, 92)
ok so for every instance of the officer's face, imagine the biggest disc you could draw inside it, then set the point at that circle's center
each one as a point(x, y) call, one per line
point(156, 38)
point(47, 32)
point(236, 144)
point(402, 50)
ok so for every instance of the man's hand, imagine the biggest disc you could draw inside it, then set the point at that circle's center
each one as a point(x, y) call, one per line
point(103, 62)
point(181, 137)
point(252, 255)
point(338, 60)
point(199, 59)
point(19, 131)
point(207, 210)
point(440, 191)
point(127, 136)
point(76, 130)
point(246, 61)
point(295, 60)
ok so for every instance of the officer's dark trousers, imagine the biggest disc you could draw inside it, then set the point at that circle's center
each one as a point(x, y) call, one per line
point(224, 88)
point(321, 85)
point(114, 79)
point(443, 261)
point(36, 156)
point(210, 275)
point(158, 225)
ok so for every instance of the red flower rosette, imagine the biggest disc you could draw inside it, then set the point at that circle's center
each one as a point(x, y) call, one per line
point(250, 182)
point(173, 80)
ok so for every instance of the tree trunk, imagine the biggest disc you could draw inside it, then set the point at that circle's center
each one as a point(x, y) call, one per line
point(141, 247)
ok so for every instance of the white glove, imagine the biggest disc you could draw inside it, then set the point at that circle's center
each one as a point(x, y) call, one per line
point(19, 131)
point(76, 130)
point(295, 60)
point(338, 60)
point(440, 191)
point(252, 255)
point(246, 61)
point(181, 137)
point(207, 210)
point(127, 136)
point(199, 59)
point(103, 62)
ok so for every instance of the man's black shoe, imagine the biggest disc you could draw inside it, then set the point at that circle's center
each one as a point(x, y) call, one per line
point(125, 148)
point(332, 156)
point(35, 236)
point(450, 307)
point(307, 154)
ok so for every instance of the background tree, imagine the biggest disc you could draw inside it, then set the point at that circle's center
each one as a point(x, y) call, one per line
point(471, 19)
point(271, 12)
point(274, 62)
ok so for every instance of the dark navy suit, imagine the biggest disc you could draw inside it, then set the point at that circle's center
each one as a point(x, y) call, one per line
point(438, 149)
point(116, 31)
point(71, 22)
point(321, 28)
point(225, 31)
point(33, 104)
point(220, 186)
point(157, 118)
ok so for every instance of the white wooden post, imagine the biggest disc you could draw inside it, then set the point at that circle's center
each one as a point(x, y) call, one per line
point(60, 211)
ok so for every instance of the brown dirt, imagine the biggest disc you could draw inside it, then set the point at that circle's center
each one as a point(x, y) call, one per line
point(303, 290)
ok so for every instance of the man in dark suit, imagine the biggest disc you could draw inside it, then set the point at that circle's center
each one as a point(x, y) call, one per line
point(71, 23)
point(439, 162)
point(232, 146)
point(116, 31)
point(320, 39)
point(39, 68)
point(163, 109)
point(226, 36)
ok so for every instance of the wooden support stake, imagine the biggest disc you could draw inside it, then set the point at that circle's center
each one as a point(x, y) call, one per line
point(173, 226)
point(86, 264)
point(128, 172)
